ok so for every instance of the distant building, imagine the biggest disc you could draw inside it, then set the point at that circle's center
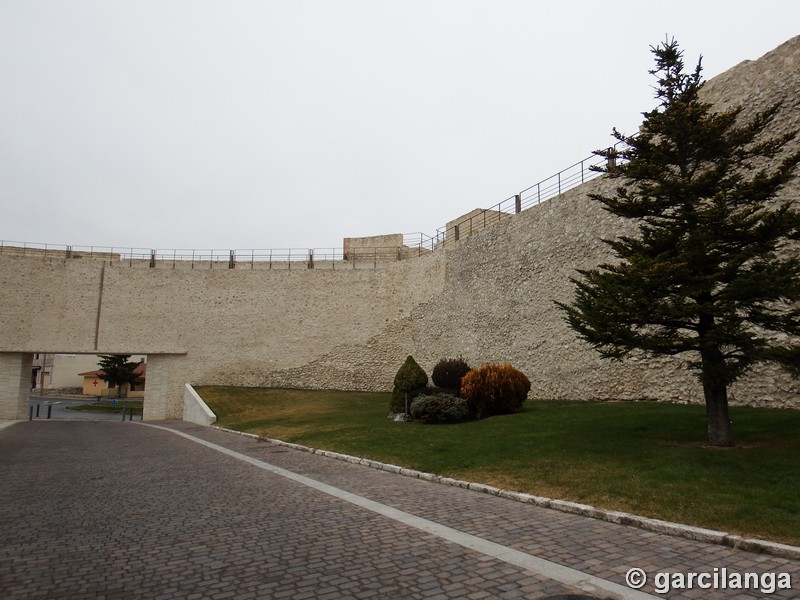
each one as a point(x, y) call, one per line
point(64, 372)
point(95, 385)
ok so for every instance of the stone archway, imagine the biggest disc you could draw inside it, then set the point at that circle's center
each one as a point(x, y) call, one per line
point(15, 384)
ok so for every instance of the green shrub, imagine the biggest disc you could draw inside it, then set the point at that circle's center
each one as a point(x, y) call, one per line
point(402, 400)
point(439, 408)
point(448, 372)
point(494, 389)
point(409, 382)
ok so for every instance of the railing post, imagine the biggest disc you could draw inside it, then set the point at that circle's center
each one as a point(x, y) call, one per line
point(232, 260)
point(152, 259)
point(518, 203)
point(612, 158)
point(310, 258)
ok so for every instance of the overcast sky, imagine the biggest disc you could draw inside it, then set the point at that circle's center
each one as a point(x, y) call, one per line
point(292, 124)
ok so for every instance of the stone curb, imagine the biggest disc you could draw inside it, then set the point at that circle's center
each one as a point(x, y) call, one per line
point(656, 525)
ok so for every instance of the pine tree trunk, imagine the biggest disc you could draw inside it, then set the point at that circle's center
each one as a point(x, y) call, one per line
point(715, 388)
point(720, 432)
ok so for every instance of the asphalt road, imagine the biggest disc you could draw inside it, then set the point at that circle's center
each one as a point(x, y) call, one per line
point(59, 410)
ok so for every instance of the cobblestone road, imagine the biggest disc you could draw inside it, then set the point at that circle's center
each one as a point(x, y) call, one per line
point(124, 510)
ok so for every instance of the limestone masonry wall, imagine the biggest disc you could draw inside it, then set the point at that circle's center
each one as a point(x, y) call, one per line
point(206, 326)
point(488, 297)
point(501, 284)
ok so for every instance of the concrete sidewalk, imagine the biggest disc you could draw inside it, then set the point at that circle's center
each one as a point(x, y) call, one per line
point(127, 510)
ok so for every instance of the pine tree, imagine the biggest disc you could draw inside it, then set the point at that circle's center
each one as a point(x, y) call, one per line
point(712, 271)
point(118, 370)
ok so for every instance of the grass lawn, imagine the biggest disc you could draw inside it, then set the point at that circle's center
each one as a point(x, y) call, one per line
point(107, 406)
point(645, 458)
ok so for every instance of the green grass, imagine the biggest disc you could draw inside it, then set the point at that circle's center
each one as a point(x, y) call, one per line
point(646, 458)
point(106, 406)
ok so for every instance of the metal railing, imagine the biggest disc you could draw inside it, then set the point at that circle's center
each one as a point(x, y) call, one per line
point(413, 245)
point(271, 258)
point(555, 185)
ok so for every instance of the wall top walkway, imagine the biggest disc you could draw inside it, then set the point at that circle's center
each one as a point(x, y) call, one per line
point(412, 245)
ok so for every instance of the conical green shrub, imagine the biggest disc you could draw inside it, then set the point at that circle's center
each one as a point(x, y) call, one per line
point(409, 382)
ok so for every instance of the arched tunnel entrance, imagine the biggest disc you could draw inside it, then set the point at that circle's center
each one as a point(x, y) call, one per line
point(87, 386)
point(41, 384)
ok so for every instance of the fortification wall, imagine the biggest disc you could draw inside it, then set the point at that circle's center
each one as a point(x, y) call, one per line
point(206, 326)
point(501, 284)
point(499, 300)
point(488, 297)
point(48, 304)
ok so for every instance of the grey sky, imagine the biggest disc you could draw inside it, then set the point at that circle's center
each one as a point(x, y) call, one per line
point(267, 124)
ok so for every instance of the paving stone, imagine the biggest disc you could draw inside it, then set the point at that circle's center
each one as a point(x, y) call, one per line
point(123, 510)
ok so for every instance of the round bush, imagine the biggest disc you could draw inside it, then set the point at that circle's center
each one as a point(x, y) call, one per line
point(448, 372)
point(439, 408)
point(494, 389)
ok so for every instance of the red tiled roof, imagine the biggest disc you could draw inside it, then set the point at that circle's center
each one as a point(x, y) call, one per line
point(141, 369)
point(98, 373)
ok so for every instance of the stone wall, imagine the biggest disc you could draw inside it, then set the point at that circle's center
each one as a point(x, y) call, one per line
point(224, 326)
point(501, 285)
point(376, 247)
point(379, 250)
point(488, 297)
point(499, 300)
point(472, 222)
point(15, 385)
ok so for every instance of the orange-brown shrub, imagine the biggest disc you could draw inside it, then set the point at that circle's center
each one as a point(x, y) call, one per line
point(494, 389)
